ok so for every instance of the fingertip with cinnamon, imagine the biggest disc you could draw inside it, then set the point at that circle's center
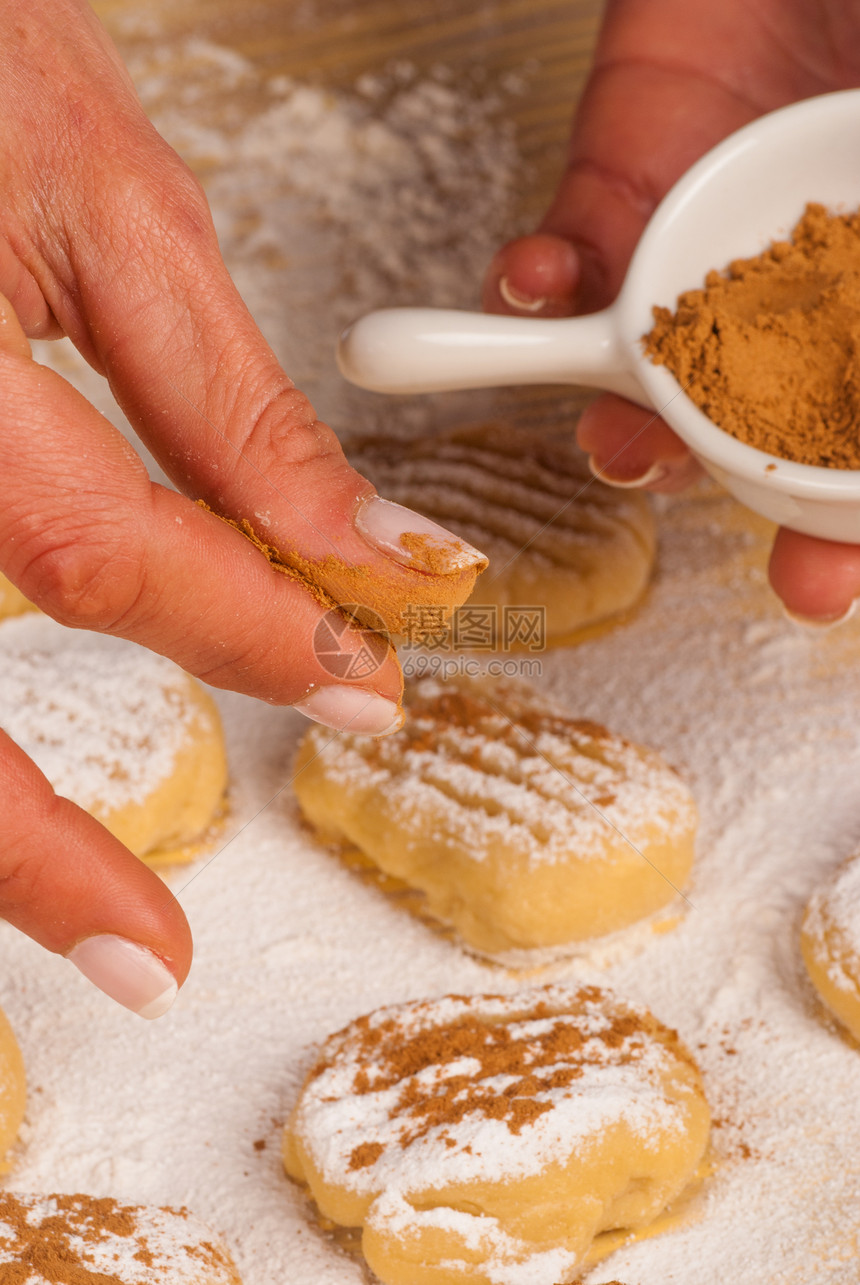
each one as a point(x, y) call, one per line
point(441, 568)
point(423, 565)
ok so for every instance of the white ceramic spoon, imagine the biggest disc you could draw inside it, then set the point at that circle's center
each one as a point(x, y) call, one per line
point(750, 190)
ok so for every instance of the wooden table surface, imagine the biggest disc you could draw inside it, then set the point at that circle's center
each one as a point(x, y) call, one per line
point(332, 42)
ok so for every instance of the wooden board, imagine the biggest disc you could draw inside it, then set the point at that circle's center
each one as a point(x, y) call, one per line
point(333, 42)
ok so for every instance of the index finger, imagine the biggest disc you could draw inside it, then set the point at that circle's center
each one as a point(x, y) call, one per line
point(88, 537)
point(139, 284)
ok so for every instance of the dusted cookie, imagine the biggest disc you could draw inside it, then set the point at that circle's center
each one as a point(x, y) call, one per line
point(12, 601)
point(522, 827)
point(830, 943)
point(555, 537)
point(13, 1090)
point(123, 733)
point(80, 1240)
point(489, 1141)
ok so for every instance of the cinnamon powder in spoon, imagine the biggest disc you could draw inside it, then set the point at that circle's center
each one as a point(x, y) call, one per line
point(769, 348)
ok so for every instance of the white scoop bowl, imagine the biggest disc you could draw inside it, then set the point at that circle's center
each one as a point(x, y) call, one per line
point(747, 192)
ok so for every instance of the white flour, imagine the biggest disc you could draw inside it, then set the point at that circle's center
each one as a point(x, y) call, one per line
point(761, 717)
point(621, 1080)
point(103, 719)
point(835, 909)
point(140, 1246)
point(329, 204)
point(562, 792)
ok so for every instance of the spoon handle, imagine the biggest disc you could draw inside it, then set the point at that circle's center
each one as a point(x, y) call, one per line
point(427, 350)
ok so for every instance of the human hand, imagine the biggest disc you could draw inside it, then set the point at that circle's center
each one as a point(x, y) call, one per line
point(106, 237)
point(670, 79)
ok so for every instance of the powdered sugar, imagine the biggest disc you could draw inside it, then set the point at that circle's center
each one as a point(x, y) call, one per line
point(397, 192)
point(615, 1077)
point(513, 774)
point(761, 717)
point(102, 718)
point(132, 1245)
point(835, 907)
point(508, 1260)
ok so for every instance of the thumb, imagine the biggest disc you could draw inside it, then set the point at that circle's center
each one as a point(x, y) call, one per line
point(656, 100)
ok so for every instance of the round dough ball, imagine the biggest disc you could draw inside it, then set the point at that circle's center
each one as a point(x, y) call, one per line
point(497, 1138)
point(522, 827)
point(12, 601)
point(556, 538)
point(13, 1089)
point(830, 943)
point(107, 1243)
point(123, 733)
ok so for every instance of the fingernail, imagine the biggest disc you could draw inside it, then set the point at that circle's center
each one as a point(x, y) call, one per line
point(351, 709)
point(820, 623)
point(413, 540)
point(128, 973)
point(655, 473)
point(514, 299)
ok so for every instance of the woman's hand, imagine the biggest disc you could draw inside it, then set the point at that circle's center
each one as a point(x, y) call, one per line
point(670, 79)
point(106, 237)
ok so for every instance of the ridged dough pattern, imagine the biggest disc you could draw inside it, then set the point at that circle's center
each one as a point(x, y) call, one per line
point(522, 827)
point(493, 1140)
point(554, 535)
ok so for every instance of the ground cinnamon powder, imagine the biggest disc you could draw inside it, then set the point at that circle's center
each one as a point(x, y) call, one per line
point(528, 1065)
point(58, 1247)
point(380, 593)
point(769, 348)
point(45, 1247)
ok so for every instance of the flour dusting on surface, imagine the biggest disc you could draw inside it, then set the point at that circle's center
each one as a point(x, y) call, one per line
point(483, 768)
point(759, 715)
point(102, 718)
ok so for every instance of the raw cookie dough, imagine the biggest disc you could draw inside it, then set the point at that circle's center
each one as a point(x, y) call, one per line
point(12, 601)
point(830, 943)
point(491, 1140)
point(554, 535)
point(522, 827)
point(13, 1090)
point(125, 734)
point(81, 1240)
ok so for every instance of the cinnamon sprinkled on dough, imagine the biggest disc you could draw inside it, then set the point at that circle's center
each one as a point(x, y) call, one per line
point(367, 1153)
point(526, 1062)
point(426, 1074)
point(84, 1240)
point(421, 1121)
